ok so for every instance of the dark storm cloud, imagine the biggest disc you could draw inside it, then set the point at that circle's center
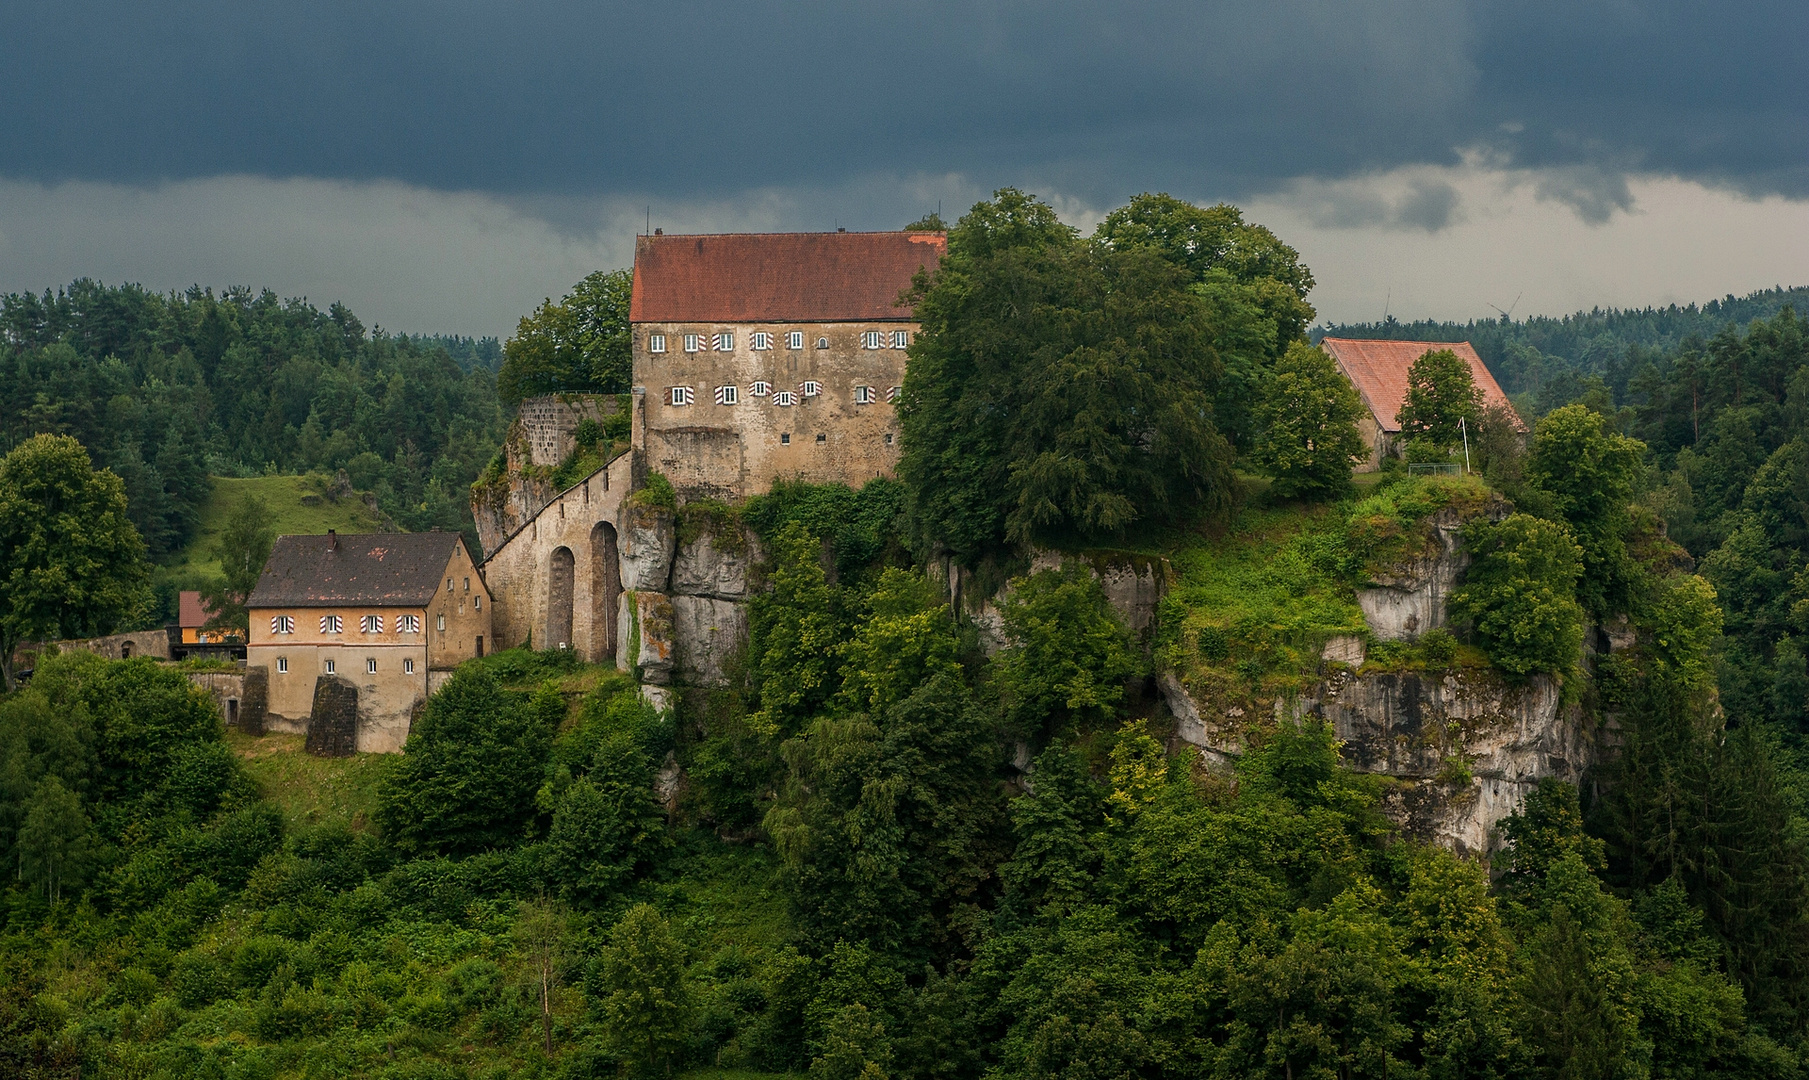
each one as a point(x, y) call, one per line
point(695, 99)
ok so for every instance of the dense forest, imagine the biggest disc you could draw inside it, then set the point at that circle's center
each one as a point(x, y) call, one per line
point(888, 848)
point(167, 390)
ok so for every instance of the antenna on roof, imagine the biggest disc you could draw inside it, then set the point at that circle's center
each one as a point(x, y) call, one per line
point(649, 219)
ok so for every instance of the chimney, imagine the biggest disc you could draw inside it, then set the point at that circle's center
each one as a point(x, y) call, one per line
point(659, 232)
point(332, 540)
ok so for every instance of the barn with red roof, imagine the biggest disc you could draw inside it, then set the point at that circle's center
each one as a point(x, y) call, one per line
point(1378, 369)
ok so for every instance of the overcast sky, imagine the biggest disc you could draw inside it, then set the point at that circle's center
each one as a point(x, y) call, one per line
point(442, 166)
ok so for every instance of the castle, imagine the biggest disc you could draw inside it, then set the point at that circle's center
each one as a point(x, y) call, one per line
point(757, 357)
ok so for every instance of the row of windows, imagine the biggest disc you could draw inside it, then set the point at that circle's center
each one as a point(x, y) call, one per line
point(731, 395)
point(763, 340)
point(785, 438)
point(330, 667)
point(368, 624)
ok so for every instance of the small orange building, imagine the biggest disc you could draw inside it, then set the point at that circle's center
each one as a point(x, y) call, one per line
point(1378, 369)
point(192, 614)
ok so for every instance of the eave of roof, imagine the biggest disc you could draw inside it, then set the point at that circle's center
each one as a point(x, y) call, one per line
point(779, 277)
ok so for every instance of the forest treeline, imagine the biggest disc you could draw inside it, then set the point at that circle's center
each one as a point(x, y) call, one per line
point(884, 849)
point(167, 390)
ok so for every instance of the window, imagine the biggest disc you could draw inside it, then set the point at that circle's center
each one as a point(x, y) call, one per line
point(282, 624)
point(282, 665)
point(794, 340)
point(888, 438)
point(728, 395)
point(822, 438)
point(371, 624)
point(865, 395)
point(467, 584)
point(408, 624)
point(785, 399)
point(693, 342)
point(408, 667)
point(725, 342)
point(822, 343)
point(901, 339)
point(440, 623)
point(810, 388)
point(679, 395)
point(785, 438)
point(448, 584)
point(871, 339)
point(332, 624)
point(477, 602)
point(762, 340)
point(760, 389)
point(330, 669)
point(370, 665)
point(656, 343)
point(892, 394)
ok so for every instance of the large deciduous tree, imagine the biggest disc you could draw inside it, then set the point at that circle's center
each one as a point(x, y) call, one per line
point(1588, 470)
point(71, 564)
point(1441, 395)
point(243, 549)
point(580, 343)
point(1307, 424)
point(1059, 390)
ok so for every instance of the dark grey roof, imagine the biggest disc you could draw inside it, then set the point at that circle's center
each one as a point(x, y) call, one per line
point(372, 569)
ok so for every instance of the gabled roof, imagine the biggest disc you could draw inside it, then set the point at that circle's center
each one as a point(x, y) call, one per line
point(365, 569)
point(779, 277)
point(191, 610)
point(1378, 369)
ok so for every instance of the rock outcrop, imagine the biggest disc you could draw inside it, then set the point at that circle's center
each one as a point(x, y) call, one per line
point(649, 540)
point(650, 619)
point(1408, 598)
point(1464, 745)
point(706, 633)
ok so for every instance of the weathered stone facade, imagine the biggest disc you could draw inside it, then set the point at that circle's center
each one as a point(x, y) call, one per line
point(726, 422)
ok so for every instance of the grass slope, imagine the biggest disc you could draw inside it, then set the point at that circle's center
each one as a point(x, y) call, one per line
point(288, 514)
point(310, 790)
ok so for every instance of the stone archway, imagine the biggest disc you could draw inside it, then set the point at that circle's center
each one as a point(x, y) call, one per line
point(559, 599)
point(605, 590)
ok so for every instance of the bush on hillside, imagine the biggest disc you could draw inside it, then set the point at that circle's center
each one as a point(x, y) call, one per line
point(1520, 593)
point(467, 778)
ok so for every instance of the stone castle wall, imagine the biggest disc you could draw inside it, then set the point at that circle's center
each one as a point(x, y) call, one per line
point(839, 424)
point(537, 442)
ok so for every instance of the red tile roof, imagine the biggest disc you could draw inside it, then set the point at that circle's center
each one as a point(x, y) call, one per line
point(779, 277)
point(1378, 369)
point(190, 610)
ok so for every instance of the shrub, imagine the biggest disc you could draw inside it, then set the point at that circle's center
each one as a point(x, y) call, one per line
point(1438, 646)
point(1068, 657)
point(466, 780)
point(1521, 593)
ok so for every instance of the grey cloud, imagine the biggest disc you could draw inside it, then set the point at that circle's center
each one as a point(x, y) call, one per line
point(1594, 193)
point(1429, 205)
point(550, 99)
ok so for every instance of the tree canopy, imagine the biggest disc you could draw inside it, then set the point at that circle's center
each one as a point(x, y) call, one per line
point(580, 344)
point(72, 564)
point(1058, 390)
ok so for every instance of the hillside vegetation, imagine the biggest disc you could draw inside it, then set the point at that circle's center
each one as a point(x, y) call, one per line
point(880, 851)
